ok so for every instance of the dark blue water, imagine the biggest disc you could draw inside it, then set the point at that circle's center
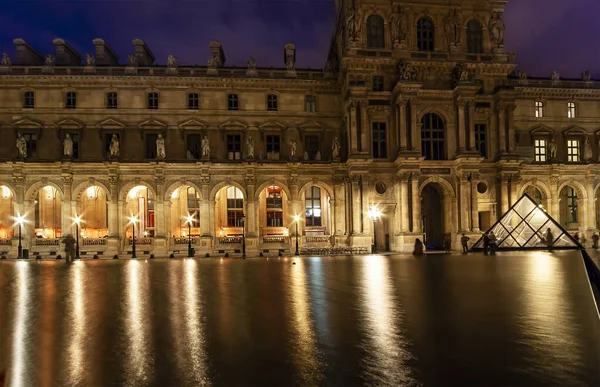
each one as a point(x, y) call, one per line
point(525, 319)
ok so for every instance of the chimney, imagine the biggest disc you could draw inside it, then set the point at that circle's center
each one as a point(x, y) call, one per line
point(105, 56)
point(142, 52)
point(27, 55)
point(216, 50)
point(65, 54)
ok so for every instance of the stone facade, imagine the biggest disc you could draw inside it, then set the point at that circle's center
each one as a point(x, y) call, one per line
point(435, 128)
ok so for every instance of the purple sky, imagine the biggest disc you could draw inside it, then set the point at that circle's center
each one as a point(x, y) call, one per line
point(546, 34)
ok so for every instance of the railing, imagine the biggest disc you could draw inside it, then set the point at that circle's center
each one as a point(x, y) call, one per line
point(95, 241)
point(141, 241)
point(185, 240)
point(275, 239)
point(47, 241)
point(318, 239)
point(5, 242)
point(229, 240)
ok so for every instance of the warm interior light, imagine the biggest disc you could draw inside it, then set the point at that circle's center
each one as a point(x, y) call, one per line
point(5, 192)
point(91, 192)
point(145, 233)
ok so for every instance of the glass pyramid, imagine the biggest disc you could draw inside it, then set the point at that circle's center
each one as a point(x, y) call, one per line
point(524, 227)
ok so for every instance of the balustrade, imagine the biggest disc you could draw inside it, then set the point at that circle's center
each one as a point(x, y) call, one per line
point(95, 241)
point(47, 241)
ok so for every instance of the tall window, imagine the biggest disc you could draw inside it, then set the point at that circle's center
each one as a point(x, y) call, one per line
point(31, 141)
point(271, 102)
point(432, 137)
point(572, 205)
point(151, 145)
point(232, 102)
point(481, 139)
point(539, 109)
point(377, 83)
point(425, 35)
point(153, 100)
point(474, 37)
point(235, 207)
point(111, 100)
point(540, 148)
point(75, 139)
point(29, 99)
point(379, 140)
point(194, 146)
point(375, 32)
point(273, 147)
point(573, 150)
point(234, 146)
point(71, 102)
point(274, 207)
point(311, 146)
point(312, 206)
point(571, 109)
point(310, 104)
point(193, 101)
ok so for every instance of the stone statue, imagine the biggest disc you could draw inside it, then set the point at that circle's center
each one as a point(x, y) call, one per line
point(89, 60)
point(402, 23)
point(305, 155)
point(454, 27)
point(395, 28)
point(350, 22)
point(249, 147)
point(293, 146)
point(6, 61)
point(213, 62)
point(555, 76)
point(521, 74)
point(21, 145)
point(357, 20)
point(114, 146)
point(160, 147)
point(189, 155)
point(497, 28)
point(68, 146)
point(132, 60)
point(587, 150)
point(318, 156)
point(172, 62)
point(461, 73)
point(251, 63)
point(335, 148)
point(205, 145)
point(553, 148)
point(50, 60)
point(290, 64)
point(407, 72)
point(586, 76)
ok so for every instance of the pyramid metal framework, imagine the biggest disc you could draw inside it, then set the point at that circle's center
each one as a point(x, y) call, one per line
point(524, 227)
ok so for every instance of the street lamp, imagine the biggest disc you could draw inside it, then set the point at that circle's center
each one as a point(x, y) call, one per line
point(77, 221)
point(374, 213)
point(19, 220)
point(243, 220)
point(189, 219)
point(133, 219)
point(297, 219)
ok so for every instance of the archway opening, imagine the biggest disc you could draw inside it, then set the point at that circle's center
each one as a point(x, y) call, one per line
point(273, 214)
point(229, 212)
point(6, 212)
point(93, 209)
point(185, 201)
point(569, 208)
point(140, 204)
point(432, 211)
point(48, 213)
point(535, 194)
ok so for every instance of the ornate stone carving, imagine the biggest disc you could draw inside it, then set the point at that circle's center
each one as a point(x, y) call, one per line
point(159, 180)
point(160, 147)
point(250, 180)
point(137, 180)
point(249, 147)
point(204, 180)
point(6, 61)
point(114, 146)
point(90, 60)
point(586, 76)
point(205, 145)
point(521, 74)
point(587, 150)
point(251, 63)
point(213, 62)
point(113, 180)
point(290, 64)
point(554, 180)
point(21, 145)
point(132, 60)
point(66, 179)
point(172, 62)
point(552, 149)
point(354, 16)
point(50, 60)
point(18, 180)
point(555, 76)
point(461, 73)
point(293, 145)
point(336, 148)
point(68, 146)
point(496, 29)
point(407, 72)
point(453, 27)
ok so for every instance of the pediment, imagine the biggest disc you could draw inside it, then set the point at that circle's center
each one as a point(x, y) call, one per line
point(111, 124)
point(311, 125)
point(27, 123)
point(152, 124)
point(272, 125)
point(232, 124)
point(192, 124)
point(541, 129)
point(69, 123)
point(575, 131)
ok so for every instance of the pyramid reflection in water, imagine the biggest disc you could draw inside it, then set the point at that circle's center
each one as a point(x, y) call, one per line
point(524, 226)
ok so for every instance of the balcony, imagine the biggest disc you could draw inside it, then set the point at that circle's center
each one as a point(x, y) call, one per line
point(184, 241)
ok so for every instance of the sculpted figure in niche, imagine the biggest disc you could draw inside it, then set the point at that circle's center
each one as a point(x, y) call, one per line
point(552, 149)
point(335, 148)
point(21, 145)
point(402, 23)
point(350, 14)
point(114, 146)
point(453, 27)
point(587, 150)
point(357, 21)
point(189, 155)
point(68, 146)
point(205, 145)
point(318, 156)
point(395, 27)
point(160, 147)
point(497, 27)
point(250, 147)
point(293, 146)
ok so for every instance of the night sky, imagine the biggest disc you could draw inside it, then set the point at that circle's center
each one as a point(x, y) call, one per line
point(546, 34)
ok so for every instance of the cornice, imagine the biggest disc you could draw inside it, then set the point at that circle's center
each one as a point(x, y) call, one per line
point(536, 92)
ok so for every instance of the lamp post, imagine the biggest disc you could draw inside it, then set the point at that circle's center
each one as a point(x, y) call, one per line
point(374, 213)
point(243, 219)
point(189, 219)
point(77, 221)
point(133, 220)
point(297, 219)
point(20, 219)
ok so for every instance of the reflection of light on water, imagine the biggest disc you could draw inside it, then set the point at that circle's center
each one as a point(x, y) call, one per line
point(387, 355)
point(19, 368)
point(195, 335)
point(306, 355)
point(77, 322)
point(140, 357)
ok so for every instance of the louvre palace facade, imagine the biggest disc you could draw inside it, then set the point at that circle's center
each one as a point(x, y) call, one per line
point(419, 113)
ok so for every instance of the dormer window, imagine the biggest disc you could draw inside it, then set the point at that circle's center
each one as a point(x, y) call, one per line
point(571, 111)
point(539, 109)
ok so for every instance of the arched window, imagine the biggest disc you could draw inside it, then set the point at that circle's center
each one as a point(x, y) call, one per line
point(425, 34)
point(474, 37)
point(313, 206)
point(432, 137)
point(375, 35)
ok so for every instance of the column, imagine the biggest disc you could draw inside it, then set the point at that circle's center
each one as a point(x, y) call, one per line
point(211, 218)
point(514, 189)
point(501, 128)
point(511, 127)
point(474, 204)
point(67, 226)
point(252, 207)
point(21, 207)
point(113, 209)
point(204, 215)
point(355, 206)
point(415, 128)
point(403, 204)
point(472, 145)
point(416, 204)
point(366, 222)
point(167, 210)
point(401, 125)
point(461, 104)
point(464, 211)
point(554, 199)
point(353, 128)
point(339, 208)
point(364, 127)
point(503, 195)
point(590, 214)
point(159, 216)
